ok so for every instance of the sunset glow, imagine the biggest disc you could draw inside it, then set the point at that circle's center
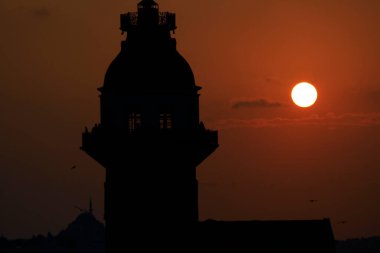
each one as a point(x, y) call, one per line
point(275, 155)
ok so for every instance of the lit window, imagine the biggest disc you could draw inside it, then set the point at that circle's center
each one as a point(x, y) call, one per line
point(165, 121)
point(134, 121)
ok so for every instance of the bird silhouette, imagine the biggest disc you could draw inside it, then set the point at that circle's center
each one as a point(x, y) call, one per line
point(74, 167)
point(313, 200)
point(80, 209)
point(342, 222)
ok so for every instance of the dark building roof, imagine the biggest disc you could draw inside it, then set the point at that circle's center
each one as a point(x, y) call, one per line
point(359, 245)
point(86, 234)
point(308, 236)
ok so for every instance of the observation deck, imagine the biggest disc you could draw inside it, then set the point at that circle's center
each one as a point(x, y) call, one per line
point(133, 20)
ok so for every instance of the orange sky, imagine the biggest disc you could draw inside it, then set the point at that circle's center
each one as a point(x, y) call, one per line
point(272, 159)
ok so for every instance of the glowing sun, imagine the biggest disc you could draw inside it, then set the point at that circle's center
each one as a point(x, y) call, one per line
point(304, 94)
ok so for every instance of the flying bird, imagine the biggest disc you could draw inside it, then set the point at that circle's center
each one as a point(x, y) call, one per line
point(74, 167)
point(80, 209)
point(313, 200)
point(342, 222)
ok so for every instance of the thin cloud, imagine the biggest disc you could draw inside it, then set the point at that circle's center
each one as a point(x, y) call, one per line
point(330, 120)
point(273, 80)
point(40, 12)
point(257, 103)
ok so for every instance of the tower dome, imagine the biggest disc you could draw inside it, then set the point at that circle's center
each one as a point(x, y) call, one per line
point(149, 59)
point(136, 68)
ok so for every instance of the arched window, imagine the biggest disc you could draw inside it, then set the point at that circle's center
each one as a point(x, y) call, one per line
point(134, 121)
point(166, 121)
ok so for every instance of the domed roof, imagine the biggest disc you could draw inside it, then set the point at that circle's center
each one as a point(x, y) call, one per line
point(147, 3)
point(158, 70)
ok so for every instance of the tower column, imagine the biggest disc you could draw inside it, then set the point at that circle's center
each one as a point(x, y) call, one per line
point(150, 139)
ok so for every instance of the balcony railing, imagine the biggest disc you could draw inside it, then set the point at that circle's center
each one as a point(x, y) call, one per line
point(131, 19)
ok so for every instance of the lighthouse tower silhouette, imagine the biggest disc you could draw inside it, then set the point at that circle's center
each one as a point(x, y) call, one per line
point(150, 138)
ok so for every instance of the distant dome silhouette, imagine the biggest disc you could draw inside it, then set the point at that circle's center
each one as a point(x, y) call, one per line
point(85, 227)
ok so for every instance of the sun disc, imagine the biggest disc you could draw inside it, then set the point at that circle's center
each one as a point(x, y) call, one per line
point(304, 94)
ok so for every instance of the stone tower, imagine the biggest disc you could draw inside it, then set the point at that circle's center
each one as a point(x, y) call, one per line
point(150, 138)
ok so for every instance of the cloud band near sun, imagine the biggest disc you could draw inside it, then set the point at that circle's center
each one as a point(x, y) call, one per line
point(330, 120)
point(255, 103)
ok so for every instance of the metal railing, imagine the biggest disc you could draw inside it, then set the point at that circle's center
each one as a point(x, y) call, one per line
point(131, 19)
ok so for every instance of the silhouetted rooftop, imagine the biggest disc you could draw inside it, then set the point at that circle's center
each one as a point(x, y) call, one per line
point(306, 236)
point(86, 234)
